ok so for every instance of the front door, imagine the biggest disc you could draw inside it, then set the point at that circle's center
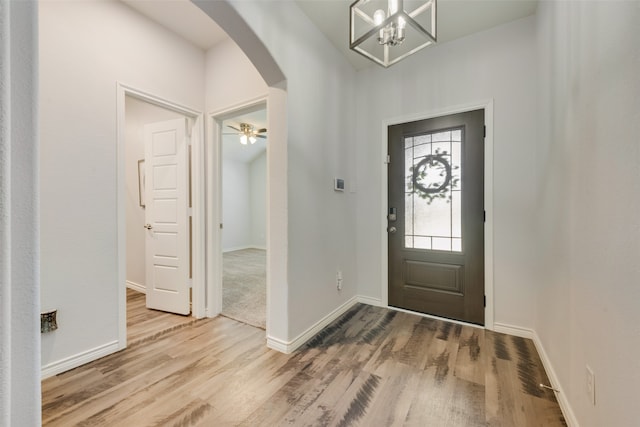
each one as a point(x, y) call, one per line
point(167, 234)
point(436, 216)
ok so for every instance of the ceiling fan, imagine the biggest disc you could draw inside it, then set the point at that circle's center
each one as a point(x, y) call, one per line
point(248, 133)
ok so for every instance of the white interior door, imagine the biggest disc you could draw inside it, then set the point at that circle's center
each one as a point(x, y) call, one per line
point(166, 198)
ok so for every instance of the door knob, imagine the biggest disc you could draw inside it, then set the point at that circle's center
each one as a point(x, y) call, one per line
point(392, 230)
point(148, 226)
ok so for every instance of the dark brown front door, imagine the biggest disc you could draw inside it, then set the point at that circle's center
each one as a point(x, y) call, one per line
point(436, 216)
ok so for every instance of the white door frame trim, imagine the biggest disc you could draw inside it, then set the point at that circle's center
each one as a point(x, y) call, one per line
point(487, 105)
point(214, 202)
point(197, 197)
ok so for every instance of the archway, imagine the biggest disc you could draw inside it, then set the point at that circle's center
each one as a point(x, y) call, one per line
point(277, 230)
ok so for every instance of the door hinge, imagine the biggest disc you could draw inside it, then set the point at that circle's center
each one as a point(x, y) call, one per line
point(485, 131)
point(485, 300)
point(484, 216)
point(388, 159)
point(221, 226)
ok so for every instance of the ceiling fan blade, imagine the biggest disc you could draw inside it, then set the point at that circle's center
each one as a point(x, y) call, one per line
point(234, 128)
point(261, 136)
point(263, 130)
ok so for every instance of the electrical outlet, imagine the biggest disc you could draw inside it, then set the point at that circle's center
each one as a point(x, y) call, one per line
point(591, 386)
point(339, 280)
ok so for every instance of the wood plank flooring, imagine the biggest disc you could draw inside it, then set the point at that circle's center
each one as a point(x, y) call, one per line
point(143, 323)
point(371, 367)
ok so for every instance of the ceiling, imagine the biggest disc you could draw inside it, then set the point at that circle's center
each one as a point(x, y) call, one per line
point(456, 18)
point(231, 147)
point(183, 18)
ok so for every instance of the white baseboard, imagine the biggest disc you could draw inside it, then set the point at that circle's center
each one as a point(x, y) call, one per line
point(531, 334)
point(567, 411)
point(235, 248)
point(55, 368)
point(291, 346)
point(136, 286)
point(241, 248)
point(278, 345)
point(376, 302)
point(518, 331)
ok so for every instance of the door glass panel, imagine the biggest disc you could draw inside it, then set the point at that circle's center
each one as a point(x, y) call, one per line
point(420, 242)
point(433, 202)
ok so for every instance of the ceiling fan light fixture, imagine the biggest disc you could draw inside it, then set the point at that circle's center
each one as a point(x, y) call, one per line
point(387, 31)
point(248, 133)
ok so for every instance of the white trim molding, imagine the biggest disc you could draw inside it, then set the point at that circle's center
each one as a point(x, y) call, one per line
point(241, 248)
point(213, 243)
point(197, 209)
point(487, 106)
point(291, 346)
point(517, 331)
point(136, 287)
point(376, 302)
point(565, 407)
point(63, 365)
point(531, 334)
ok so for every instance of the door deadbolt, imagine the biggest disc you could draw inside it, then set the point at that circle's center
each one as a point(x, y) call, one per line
point(392, 216)
point(392, 230)
point(148, 226)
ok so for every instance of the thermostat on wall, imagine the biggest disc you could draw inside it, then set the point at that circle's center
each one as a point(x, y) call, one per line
point(338, 184)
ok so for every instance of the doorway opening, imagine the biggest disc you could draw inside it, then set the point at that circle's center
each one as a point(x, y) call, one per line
point(240, 151)
point(159, 214)
point(446, 276)
point(436, 216)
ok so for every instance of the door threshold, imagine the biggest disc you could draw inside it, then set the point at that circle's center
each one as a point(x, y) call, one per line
point(431, 316)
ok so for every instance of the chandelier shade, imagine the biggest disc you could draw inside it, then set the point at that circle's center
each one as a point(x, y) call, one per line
point(387, 31)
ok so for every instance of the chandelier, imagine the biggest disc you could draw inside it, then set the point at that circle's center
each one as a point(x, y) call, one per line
point(387, 31)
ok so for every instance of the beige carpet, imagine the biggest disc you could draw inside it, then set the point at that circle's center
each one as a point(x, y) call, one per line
point(244, 286)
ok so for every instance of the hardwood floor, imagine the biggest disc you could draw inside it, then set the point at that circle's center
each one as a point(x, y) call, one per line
point(143, 323)
point(371, 367)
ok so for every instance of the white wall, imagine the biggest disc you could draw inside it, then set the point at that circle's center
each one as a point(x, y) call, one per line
point(85, 48)
point(584, 279)
point(236, 205)
point(319, 146)
point(231, 78)
point(258, 178)
point(244, 203)
point(137, 115)
point(224, 91)
point(19, 228)
point(587, 224)
point(498, 64)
